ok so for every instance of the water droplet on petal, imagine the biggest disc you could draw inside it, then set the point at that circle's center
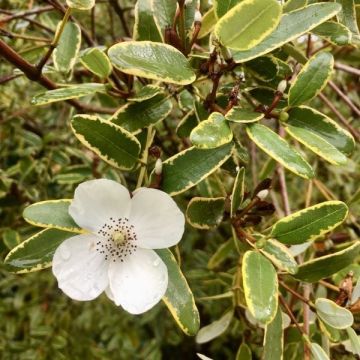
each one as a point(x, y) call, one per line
point(65, 252)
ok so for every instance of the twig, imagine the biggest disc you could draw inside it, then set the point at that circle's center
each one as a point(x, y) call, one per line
point(347, 68)
point(25, 13)
point(119, 11)
point(329, 286)
point(344, 97)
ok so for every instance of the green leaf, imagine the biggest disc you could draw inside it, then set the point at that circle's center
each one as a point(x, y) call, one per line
point(187, 124)
point(280, 256)
point(260, 286)
point(211, 133)
point(36, 252)
point(333, 314)
point(314, 121)
point(145, 27)
point(110, 142)
point(237, 195)
point(51, 214)
point(66, 93)
point(291, 26)
point(187, 168)
point(11, 238)
point(317, 352)
point(138, 115)
point(221, 7)
point(274, 339)
point(244, 353)
point(347, 16)
point(221, 254)
point(354, 341)
point(97, 62)
point(325, 266)
point(152, 61)
point(292, 5)
point(215, 329)
point(205, 213)
point(333, 32)
point(145, 93)
point(239, 115)
point(310, 223)
point(248, 23)
point(280, 150)
point(80, 4)
point(178, 297)
point(164, 12)
point(265, 68)
point(311, 79)
point(66, 51)
point(208, 23)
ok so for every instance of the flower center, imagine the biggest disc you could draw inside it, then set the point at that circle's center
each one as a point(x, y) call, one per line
point(118, 239)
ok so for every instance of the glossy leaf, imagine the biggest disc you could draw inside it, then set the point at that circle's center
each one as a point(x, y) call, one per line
point(311, 79)
point(314, 121)
point(211, 133)
point(265, 68)
point(239, 115)
point(164, 12)
point(215, 329)
point(66, 51)
point(292, 5)
point(248, 23)
point(36, 252)
point(51, 214)
point(237, 194)
point(354, 341)
point(187, 168)
point(205, 213)
point(310, 223)
point(110, 142)
point(347, 16)
point(276, 147)
point(145, 93)
point(280, 255)
point(81, 4)
point(178, 297)
point(138, 115)
point(333, 32)
point(208, 23)
point(274, 338)
point(187, 124)
point(317, 352)
point(260, 286)
point(145, 27)
point(152, 61)
point(291, 26)
point(221, 7)
point(333, 314)
point(325, 266)
point(97, 62)
point(66, 93)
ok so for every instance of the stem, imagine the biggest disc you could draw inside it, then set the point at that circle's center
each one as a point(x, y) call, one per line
point(149, 138)
point(347, 68)
point(344, 97)
point(182, 23)
point(120, 13)
point(329, 286)
point(296, 294)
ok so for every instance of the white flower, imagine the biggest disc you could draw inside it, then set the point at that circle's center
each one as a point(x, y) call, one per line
point(115, 254)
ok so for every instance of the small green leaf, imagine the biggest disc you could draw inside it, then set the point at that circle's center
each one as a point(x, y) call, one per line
point(80, 4)
point(187, 168)
point(260, 286)
point(280, 255)
point(36, 252)
point(274, 338)
point(221, 7)
point(211, 133)
point(311, 79)
point(292, 5)
point(152, 61)
point(112, 143)
point(319, 124)
point(354, 341)
point(145, 93)
point(333, 32)
point(138, 115)
point(239, 115)
point(244, 353)
point(66, 93)
point(215, 329)
point(248, 23)
point(333, 314)
point(280, 150)
point(208, 23)
point(310, 223)
point(317, 352)
point(221, 254)
point(145, 27)
point(237, 195)
point(51, 214)
point(291, 26)
point(325, 266)
point(11, 238)
point(178, 297)
point(205, 213)
point(164, 12)
point(66, 51)
point(187, 124)
point(97, 62)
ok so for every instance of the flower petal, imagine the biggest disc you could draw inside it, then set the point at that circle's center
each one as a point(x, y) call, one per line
point(158, 221)
point(81, 271)
point(96, 201)
point(139, 282)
